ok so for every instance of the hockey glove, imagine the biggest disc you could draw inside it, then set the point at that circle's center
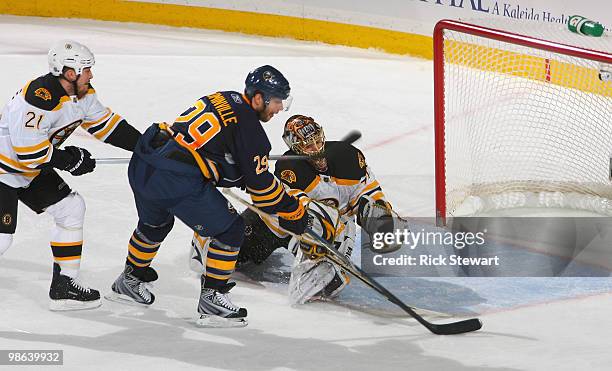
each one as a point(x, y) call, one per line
point(296, 226)
point(295, 221)
point(375, 217)
point(77, 161)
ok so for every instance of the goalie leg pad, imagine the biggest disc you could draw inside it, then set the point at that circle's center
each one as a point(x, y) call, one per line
point(199, 249)
point(336, 285)
point(309, 278)
point(315, 279)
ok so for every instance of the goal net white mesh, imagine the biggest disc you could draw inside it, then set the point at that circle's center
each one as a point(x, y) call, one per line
point(524, 126)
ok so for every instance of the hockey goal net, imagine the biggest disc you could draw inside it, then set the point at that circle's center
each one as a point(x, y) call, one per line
point(523, 118)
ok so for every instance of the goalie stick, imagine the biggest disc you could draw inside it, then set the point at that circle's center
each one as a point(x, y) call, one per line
point(335, 256)
point(350, 137)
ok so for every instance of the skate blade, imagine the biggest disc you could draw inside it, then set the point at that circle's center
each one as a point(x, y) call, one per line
point(124, 299)
point(68, 305)
point(212, 321)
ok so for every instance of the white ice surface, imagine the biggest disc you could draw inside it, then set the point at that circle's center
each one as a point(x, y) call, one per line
point(149, 73)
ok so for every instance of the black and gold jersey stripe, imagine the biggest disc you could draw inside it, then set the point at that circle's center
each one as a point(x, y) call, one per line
point(269, 196)
point(103, 126)
point(33, 156)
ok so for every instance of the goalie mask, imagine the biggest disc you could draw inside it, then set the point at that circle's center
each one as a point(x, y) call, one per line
point(306, 137)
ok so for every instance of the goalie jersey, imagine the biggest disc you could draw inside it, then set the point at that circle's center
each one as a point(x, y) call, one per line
point(39, 118)
point(347, 178)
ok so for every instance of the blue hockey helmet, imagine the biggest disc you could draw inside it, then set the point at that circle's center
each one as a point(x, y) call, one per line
point(271, 83)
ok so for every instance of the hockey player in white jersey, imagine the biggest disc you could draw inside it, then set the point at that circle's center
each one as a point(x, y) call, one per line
point(33, 126)
point(339, 189)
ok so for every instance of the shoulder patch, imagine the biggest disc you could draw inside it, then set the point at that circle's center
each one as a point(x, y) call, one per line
point(7, 219)
point(43, 93)
point(296, 174)
point(288, 176)
point(236, 98)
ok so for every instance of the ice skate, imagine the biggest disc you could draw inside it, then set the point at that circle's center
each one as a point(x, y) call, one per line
point(132, 286)
point(216, 309)
point(69, 293)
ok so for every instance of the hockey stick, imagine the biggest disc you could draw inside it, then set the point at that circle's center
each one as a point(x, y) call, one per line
point(126, 160)
point(335, 256)
point(452, 328)
point(351, 137)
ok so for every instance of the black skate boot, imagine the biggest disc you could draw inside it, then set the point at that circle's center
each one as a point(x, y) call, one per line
point(69, 293)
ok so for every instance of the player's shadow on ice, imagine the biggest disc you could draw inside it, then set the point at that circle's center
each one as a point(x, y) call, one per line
point(158, 336)
point(157, 333)
point(437, 296)
point(275, 269)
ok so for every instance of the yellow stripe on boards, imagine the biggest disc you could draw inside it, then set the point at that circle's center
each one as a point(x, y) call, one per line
point(562, 74)
point(535, 68)
point(227, 20)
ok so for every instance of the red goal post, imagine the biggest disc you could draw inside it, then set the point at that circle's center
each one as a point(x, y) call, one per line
point(512, 108)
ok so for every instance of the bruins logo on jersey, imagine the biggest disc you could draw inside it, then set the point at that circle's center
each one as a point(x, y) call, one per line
point(43, 94)
point(288, 176)
point(7, 219)
point(361, 160)
point(58, 137)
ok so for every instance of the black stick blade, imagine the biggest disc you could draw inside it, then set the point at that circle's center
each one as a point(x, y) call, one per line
point(455, 328)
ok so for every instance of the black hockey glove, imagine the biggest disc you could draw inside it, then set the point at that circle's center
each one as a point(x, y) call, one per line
point(296, 226)
point(77, 161)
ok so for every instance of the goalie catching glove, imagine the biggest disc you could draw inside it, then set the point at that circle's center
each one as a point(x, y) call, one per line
point(375, 216)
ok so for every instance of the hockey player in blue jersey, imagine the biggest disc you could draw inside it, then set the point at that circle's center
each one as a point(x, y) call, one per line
point(175, 171)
